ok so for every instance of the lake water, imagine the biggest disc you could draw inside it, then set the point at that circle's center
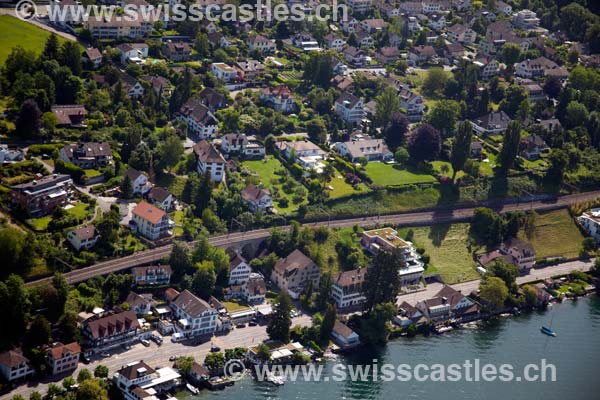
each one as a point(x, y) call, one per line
point(516, 340)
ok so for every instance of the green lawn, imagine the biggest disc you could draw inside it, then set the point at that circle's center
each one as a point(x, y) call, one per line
point(438, 165)
point(233, 306)
point(79, 210)
point(40, 224)
point(91, 173)
point(383, 174)
point(16, 32)
point(556, 235)
point(343, 189)
point(265, 169)
point(447, 246)
point(178, 218)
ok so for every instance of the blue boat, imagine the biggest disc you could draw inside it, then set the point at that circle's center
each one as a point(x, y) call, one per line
point(547, 331)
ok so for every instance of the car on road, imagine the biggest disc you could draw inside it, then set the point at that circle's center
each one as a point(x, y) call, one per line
point(105, 354)
point(252, 323)
point(126, 346)
point(86, 358)
point(145, 342)
point(240, 326)
point(156, 339)
point(215, 349)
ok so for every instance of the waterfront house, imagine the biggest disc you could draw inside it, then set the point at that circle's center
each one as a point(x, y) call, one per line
point(152, 275)
point(15, 366)
point(195, 317)
point(347, 288)
point(139, 381)
point(294, 272)
point(387, 239)
point(83, 237)
point(63, 357)
point(151, 222)
point(343, 336)
point(43, 194)
point(110, 328)
point(447, 303)
point(408, 315)
point(87, 155)
point(210, 160)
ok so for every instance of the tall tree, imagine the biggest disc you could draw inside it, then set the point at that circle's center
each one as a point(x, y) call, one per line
point(425, 143)
point(70, 55)
point(443, 116)
point(170, 152)
point(396, 131)
point(281, 321)
point(382, 280)
point(328, 323)
point(386, 104)
point(29, 119)
point(461, 147)
point(510, 146)
point(51, 48)
point(204, 279)
point(494, 292)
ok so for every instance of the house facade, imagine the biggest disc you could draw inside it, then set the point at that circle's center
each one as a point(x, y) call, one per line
point(15, 366)
point(42, 195)
point(110, 328)
point(151, 222)
point(63, 357)
point(87, 155)
point(294, 272)
point(195, 317)
point(153, 275)
point(209, 159)
point(84, 237)
point(350, 108)
point(279, 98)
point(257, 198)
point(347, 288)
point(200, 120)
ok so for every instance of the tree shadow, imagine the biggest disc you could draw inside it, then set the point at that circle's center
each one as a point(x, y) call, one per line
point(438, 233)
point(499, 187)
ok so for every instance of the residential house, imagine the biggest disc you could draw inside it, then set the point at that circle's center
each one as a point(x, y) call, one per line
point(360, 6)
point(177, 51)
point(199, 373)
point(151, 222)
point(279, 98)
point(522, 253)
point(63, 357)
point(386, 55)
point(43, 194)
point(370, 149)
point(71, 115)
point(354, 55)
point(294, 272)
point(224, 72)
point(14, 366)
point(161, 198)
point(493, 123)
point(389, 10)
point(476, 150)
point(110, 328)
point(212, 99)
point(152, 275)
point(534, 68)
point(195, 317)
point(87, 155)
point(350, 26)
point(447, 303)
point(200, 120)
point(9, 155)
point(347, 288)
point(307, 154)
point(261, 43)
point(453, 51)
point(160, 84)
point(249, 70)
point(92, 57)
point(504, 8)
point(139, 381)
point(239, 270)
point(241, 144)
point(434, 6)
point(461, 33)
point(334, 42)
point(208, 26)
point(412, 7)
point(84, 237)
point(526, 20)
point(343, 336)
point(141, 304)
point(365, 39)
point(257, 198)
point(409, 315)
point(133, 52)
point(488, 67)
point(131, 86)
point(387, 239)
point(373, 25)
point(140, 184)
point(305, 41)
point(116, 27)
point(437, 22)
point(208, 158)
point(590, 222)
point(350, 107)
point(254, 290)
point(422, 54)
point(342, 83)
point(412, 103)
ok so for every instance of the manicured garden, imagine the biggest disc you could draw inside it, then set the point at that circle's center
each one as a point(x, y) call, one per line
point(383, 174)
point(233, 306)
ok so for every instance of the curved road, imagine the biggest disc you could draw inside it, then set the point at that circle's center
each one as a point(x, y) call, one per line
point(438, 216)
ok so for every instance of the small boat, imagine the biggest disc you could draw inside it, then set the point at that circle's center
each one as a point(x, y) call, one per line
point(192, 388)
point(275, 380)
point(547, 331)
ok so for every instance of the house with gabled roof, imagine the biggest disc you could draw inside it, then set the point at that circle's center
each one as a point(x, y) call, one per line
point(15, 366)
point(93, 57)
point(257, 198)
point(83, 237)
point(87, 155)
point(210, 160)
point(279, 98)
point(140, 182)
point(110, 327)
point(370, 149)
point(161, 198)
point(71, 115)
point(294, 272)
point(239, 270)
point(350, 107)
point(261, 43)
point(343, 336)
point(63, 357)
point(422, 54)
point(195, 317)
point(334, 42)
point(200, 120)
point(177, 51)
point(212, 99)
point(493, 123)
point(346, 289)
point(151, 222)
point(447, 303)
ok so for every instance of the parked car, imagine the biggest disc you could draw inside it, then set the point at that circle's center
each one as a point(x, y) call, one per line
point(156, 339)
point(252, 323)
point(105, 354)
point(145, 342)
point(126, 346)
point(239, 326)
point(173, 358)
point(215, 349)
point(86, 358)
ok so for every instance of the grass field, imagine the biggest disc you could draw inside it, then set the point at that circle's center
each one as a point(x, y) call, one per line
point(16, 32)
point(556, 235)
point(447, 246)
point(343, 189)
point(383, 174)
point(232, 306)
point(79, 210)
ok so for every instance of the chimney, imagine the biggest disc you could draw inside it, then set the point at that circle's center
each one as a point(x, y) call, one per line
point(444, 300)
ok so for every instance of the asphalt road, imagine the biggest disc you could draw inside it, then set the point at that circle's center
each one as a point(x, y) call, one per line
point(440, 215)
point(158, 356)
